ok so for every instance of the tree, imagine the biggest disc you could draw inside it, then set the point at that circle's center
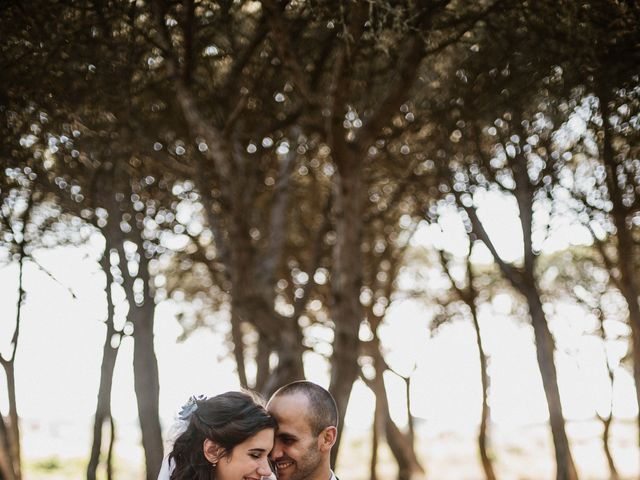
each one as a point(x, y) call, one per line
point(16, 215)
point(354, 104)
point(581, 275)
point(604, 173)
point(30, 219)
point(84, 136)
point(384, 250)
point(467, 292)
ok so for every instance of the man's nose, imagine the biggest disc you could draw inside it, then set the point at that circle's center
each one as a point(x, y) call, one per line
point(276, 451)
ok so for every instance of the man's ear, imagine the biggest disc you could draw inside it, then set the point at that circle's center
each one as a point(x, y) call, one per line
point(212, 451)
point(327, 438)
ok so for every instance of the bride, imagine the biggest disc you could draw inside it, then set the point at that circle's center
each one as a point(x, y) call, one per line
point(226, 437)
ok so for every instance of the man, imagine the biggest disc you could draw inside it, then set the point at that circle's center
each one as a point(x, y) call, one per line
point(307, 429)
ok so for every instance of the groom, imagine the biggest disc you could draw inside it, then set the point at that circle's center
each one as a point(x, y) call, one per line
point(307, 429)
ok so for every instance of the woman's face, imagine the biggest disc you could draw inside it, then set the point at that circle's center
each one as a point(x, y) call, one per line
point(247, 460)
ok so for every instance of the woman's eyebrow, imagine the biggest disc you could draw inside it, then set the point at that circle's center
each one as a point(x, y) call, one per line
point(257, 449)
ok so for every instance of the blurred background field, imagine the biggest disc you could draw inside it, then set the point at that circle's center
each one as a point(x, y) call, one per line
point(59, 452)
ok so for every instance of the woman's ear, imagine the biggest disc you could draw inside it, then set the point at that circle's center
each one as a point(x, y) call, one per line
point(212, 451)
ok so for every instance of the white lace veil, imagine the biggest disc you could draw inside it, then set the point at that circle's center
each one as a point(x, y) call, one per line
point(179, 426)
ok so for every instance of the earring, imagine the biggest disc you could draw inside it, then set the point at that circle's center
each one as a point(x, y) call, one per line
point(213, 464)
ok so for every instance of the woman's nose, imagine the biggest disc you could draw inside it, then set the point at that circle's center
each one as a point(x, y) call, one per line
point(264, 469)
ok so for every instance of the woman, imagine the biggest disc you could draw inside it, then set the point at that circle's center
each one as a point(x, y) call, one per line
point(226, 437)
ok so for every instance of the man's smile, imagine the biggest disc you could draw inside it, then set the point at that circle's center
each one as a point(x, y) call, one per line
point(283, 464)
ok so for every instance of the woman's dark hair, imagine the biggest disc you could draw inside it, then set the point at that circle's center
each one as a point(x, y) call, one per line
point(228, 419)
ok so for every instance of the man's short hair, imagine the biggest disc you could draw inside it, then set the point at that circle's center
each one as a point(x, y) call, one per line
point(323, 411)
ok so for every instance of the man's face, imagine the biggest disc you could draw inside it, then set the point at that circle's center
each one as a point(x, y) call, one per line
point(296, 450)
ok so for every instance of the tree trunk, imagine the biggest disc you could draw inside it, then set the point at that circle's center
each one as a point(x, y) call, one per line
point(103, 409)
point(485, 458)
point(290, 367)
point(630, 296)
point(147, 388)
point(545, 353)
point(238, 347)
point(375, 441)
point(408, 465)
point(400, 444)
point(112, 438)
point(145, 370)
point(606, 421)
point(545, 348)
point(249, 302)
point(145, 365)
point(410, 421)
point(11, 449)
point(613, 471)
point(109, 356)
point(11, 431)
point(346, 280)
point(262, 365)
point(6, 464)
point(13, 434)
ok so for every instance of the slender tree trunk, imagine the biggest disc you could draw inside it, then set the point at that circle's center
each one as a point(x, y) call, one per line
point(11, 447)
point(400, 444)
point(375, 441)
point(147, 388)
point(262, 365)
point(483, 441)
point(238, 347)
point(469, 297)
point(6, 462)
point(545, 354)
point(145, 364)
point(103, 411)
point(634, 316)
point(146, 378)
point(112, 439)
point(613, 471)
point(408, 465)
point(109, 356)
point(11, 377)
point(12, 431)
point(346, 281)
point(14, 427)
point(607, 420)
point(410, 421)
